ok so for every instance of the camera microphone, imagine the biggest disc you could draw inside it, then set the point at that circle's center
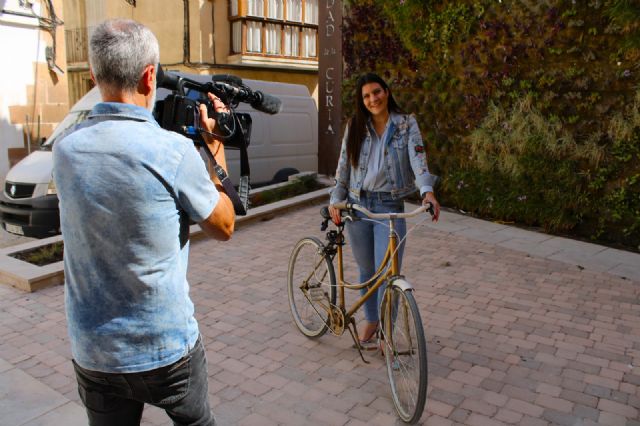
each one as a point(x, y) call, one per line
point(258, 100)
point(227, 85)
point(266, 103)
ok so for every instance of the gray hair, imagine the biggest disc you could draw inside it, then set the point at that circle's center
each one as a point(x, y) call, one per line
point(119, 51)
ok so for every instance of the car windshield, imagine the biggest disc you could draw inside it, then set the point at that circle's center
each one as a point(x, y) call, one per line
point(73, 118)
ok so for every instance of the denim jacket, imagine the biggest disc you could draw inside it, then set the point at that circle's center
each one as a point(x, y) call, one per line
point(405, 162)
point(127, 190)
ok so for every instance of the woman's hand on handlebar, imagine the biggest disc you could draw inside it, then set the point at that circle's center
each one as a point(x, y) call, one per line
point(429, 197)
point(335, 215)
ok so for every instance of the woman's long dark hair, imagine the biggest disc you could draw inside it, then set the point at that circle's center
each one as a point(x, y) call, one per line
point(358, 123)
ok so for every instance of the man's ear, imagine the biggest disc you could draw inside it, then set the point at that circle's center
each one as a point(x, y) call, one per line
point(93, 78)
point(148, 80)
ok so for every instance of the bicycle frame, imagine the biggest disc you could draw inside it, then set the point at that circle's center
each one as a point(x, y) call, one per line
point(388, 268)
point(379, 278)
point(320, 294)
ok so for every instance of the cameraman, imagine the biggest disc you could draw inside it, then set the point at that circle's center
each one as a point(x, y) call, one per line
point(127, 190)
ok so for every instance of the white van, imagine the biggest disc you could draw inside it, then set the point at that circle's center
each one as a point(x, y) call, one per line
point(281, 145)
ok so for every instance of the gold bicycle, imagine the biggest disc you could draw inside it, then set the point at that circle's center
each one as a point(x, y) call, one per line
point(313, 289)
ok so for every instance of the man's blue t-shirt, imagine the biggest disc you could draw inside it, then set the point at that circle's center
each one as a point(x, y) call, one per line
point(127, 190)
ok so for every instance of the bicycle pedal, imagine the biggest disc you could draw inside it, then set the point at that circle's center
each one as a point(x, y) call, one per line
point(367, 346)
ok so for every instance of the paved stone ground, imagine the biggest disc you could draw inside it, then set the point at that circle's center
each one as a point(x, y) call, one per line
point(7, 239)
point(513, 339)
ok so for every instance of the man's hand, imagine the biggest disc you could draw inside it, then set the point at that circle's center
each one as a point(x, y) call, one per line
point(221, 223)
point(209, 124)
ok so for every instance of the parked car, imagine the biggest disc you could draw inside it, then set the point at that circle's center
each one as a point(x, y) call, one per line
point(280, 145)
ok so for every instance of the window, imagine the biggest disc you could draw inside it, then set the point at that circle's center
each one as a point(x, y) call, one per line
point(308, 43)
point(275, 28)
point(275, 9)
point(311, 12)
point(255, 7)
point(273, 39)
point(254, 36)
point(291, 41)
point(294, 10)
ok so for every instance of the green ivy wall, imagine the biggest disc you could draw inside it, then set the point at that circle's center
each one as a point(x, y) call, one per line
point(530, 110)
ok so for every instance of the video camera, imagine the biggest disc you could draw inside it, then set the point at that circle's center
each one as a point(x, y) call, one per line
point(179, 112)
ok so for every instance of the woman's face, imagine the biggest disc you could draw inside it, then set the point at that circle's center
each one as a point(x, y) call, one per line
point(375, 98)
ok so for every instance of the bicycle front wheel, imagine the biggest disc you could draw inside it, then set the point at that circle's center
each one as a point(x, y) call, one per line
point(405, 352)
point(311, 286)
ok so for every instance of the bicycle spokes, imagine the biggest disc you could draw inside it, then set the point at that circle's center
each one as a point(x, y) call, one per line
point(312, 291)
point(311, 287)
point(405, 353)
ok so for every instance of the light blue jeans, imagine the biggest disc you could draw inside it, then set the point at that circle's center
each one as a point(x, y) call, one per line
point(369, 240)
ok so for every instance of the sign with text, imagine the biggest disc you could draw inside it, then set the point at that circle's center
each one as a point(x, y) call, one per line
point(329, 85)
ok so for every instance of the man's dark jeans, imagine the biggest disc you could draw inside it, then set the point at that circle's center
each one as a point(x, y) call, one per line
point(181, 389)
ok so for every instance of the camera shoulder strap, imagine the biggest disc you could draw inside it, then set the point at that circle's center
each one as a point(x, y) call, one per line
point(244, 185)
point(238, 206)
point(240, 201)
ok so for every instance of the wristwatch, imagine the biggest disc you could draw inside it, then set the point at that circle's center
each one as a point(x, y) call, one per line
point(222, 175)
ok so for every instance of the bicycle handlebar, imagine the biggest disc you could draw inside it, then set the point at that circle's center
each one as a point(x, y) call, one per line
point(428, 207)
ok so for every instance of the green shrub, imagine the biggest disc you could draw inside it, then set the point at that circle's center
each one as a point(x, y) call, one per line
point(43, 255)
point(298, 186)
point(616, 183)
point(528, 109)
point(521, 167)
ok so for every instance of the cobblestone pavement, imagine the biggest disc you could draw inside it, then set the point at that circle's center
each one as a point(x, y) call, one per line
point(513, 339)
point(7, 239)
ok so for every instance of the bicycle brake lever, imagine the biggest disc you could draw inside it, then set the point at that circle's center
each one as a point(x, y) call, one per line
point(325, 224)
point(430, 210)
point(349, 217)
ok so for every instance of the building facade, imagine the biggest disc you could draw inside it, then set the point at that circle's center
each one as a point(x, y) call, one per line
point(47, 41)
point(274, 40)
point(33, 83)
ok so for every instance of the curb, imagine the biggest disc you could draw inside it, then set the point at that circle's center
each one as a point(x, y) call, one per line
point(27, 276)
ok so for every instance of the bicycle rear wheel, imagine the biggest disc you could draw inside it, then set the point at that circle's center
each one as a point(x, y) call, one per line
point(405, 352)
point(311, 286)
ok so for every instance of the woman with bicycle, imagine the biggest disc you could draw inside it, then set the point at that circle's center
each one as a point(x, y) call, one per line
point(382, 161)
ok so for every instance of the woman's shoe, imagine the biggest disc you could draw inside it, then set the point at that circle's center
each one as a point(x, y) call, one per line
point(369, 340)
